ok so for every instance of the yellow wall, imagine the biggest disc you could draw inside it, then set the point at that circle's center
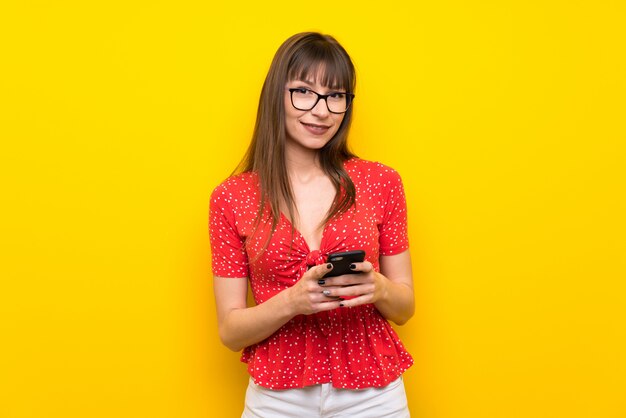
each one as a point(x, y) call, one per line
point(506, 120)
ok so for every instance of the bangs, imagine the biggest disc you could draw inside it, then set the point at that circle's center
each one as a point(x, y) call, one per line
point(325, 64)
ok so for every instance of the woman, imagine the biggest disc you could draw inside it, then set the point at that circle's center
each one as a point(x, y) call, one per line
point(314, 345)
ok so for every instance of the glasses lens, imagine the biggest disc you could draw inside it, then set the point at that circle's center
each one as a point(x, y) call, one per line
point(304, 99)
point(337, 102)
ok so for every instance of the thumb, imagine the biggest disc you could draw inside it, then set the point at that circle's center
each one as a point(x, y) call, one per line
point(318, 272)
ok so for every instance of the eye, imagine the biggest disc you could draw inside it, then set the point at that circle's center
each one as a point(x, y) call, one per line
point(337, 95)
point(301, 90)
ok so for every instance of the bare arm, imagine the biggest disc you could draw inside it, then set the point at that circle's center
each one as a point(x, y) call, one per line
point(397, 303)
point(241, 326)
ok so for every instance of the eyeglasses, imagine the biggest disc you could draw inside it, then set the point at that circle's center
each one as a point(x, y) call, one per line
point(305, 99)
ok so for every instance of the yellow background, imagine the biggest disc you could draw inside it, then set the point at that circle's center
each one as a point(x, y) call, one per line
point(505, 119)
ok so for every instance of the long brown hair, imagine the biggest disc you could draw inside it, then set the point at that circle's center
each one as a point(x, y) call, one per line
point(302, 55)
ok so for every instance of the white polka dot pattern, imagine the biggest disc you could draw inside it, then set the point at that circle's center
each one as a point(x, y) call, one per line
point(351, 348)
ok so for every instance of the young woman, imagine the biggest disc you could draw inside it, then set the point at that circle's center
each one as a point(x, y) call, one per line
point(315, 345)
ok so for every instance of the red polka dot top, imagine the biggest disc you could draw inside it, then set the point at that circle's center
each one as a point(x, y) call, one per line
point(350, 347)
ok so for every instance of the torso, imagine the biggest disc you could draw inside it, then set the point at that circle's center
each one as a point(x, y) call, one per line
point(351, 348)
point(313, 200)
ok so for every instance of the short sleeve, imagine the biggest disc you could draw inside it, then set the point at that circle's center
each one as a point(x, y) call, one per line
point(229, 258)
point(393, 229)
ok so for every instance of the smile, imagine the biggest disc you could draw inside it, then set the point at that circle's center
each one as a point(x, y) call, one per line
point(315, 129)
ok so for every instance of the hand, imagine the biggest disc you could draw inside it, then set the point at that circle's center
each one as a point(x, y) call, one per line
point(366, 286)
point(306, 296)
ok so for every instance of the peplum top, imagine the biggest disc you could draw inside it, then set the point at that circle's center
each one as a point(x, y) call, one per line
point(350, 347)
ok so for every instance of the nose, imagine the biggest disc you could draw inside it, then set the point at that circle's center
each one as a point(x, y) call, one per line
point(321, 108)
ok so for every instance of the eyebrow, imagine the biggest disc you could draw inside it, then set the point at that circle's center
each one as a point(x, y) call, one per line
point(309, 83)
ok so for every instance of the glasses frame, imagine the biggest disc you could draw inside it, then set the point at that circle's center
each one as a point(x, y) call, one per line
point(349, 99)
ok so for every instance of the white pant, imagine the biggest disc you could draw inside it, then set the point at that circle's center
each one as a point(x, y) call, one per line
point(324, 401)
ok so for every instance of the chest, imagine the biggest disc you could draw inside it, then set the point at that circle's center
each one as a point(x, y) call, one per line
point(313, 203)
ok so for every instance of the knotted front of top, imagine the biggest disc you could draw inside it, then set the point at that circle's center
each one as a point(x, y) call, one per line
point(314, 258)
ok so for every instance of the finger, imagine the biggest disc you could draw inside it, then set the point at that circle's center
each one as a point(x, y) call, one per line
point(356, 290)
point(360, 300)
point(331, 292)
point(351, 279)
point(323, 298)
point(364, 267)
point(317, 273)
point(329, 305)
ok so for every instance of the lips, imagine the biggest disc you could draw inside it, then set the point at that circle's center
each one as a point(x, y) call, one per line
point(315, 129)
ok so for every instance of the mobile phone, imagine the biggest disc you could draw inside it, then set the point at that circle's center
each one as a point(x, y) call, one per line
point(341, 262)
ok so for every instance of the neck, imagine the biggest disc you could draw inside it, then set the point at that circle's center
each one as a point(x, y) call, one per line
point(302, 163)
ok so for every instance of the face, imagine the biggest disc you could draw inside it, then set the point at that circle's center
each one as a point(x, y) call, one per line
point(310, 129)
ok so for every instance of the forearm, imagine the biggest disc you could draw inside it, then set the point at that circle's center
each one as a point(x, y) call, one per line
point(397, 303)
point(243, 327)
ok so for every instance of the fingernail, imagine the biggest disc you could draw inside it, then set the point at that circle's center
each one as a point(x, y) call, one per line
point(329, 266)
point(326, 292)
point(352, 266)
point(321, 282)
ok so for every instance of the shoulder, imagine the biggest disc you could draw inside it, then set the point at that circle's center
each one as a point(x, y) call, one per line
point(371, 171)
point(243, 184)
